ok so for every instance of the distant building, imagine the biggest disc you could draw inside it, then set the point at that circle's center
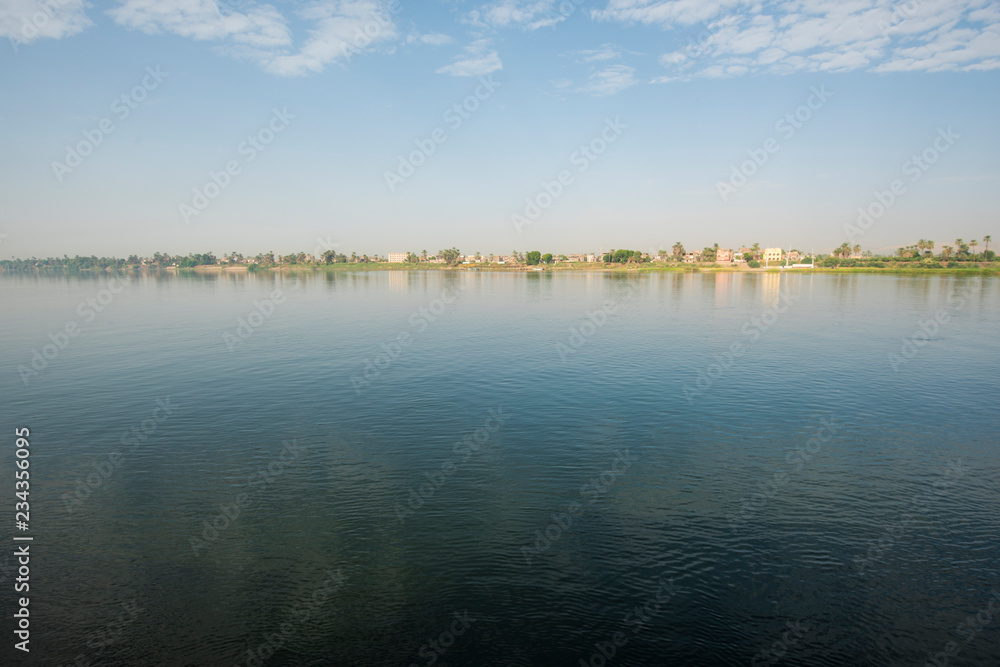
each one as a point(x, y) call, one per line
point(794, 256)
point(397, 257)
point(772, 255)
point(747, 253)
point(591, 257)
point(724, 255)
point(691, 257)
point(738, 258)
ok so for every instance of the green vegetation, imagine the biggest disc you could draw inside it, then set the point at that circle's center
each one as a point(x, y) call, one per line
point(624, 257)
point(450, 256)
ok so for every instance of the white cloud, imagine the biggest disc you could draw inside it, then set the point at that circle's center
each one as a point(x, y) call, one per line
point(606, 52)
point(342, 29)
point(609, 80)
point(818, 35)
point(260, 26)
point(524, 14)
point(260, 33)
point(435, 39)
point(478, 59)
point(24, 21)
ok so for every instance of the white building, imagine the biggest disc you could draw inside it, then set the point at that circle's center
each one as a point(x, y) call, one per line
point(397, 257)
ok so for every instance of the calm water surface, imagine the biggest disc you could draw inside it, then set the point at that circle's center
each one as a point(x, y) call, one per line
point(522, 469)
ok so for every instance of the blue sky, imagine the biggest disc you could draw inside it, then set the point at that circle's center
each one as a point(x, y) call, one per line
point(730, 122)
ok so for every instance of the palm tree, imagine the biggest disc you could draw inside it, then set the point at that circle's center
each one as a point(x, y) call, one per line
point(755, 249)
point(986, 240)
point(678, 249)
point(857, 249)
point(972, 244)
point(946, 252)
point(930, 246)
point(423, 255)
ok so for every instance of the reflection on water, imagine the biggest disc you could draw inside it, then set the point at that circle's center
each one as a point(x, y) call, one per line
point(770, 288)
point(737, 522)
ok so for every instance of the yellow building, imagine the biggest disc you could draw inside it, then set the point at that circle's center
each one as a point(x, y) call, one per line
point(772, 255)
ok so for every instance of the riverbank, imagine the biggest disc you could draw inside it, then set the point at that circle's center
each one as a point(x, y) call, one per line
point(978, 269)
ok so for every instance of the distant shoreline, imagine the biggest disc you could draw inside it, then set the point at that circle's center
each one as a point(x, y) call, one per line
point(992, 269)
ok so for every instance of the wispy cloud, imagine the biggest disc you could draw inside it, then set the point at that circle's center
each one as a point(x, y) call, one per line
point(477, 59)
point(609, 80)
point(524, 14)
point(259, 25)
point(260, 33)
point(434, 39)
point(24, 21)
point(606, 52)
point(735, 37)
point(342, 29)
